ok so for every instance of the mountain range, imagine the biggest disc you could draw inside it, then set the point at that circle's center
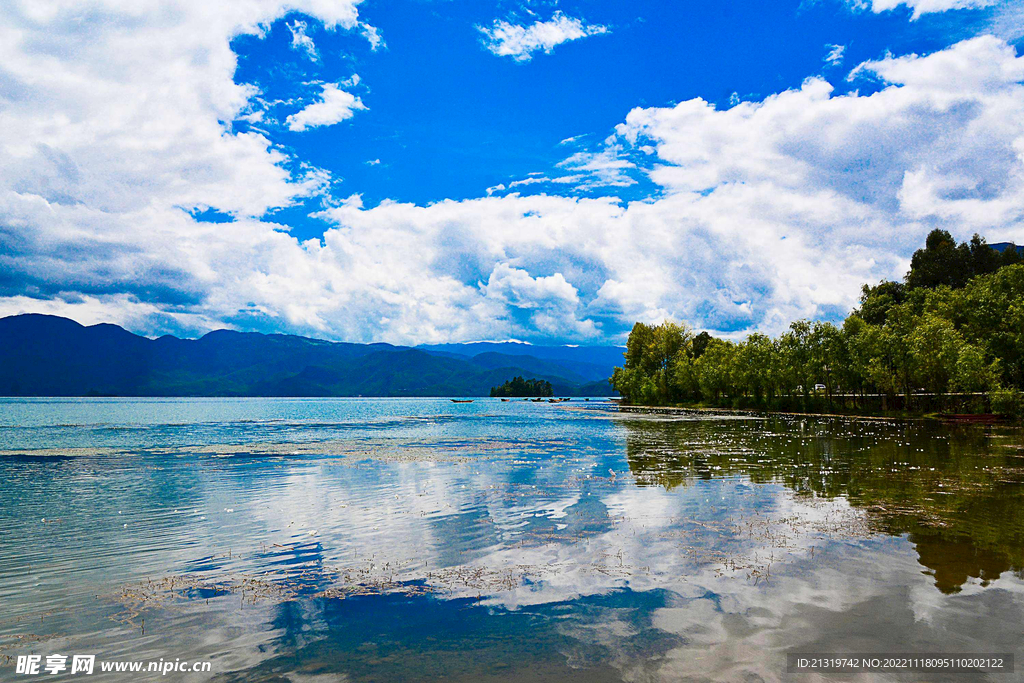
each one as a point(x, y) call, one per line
point(43, 355)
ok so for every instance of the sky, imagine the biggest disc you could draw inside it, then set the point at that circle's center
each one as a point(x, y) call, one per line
point(423, 171)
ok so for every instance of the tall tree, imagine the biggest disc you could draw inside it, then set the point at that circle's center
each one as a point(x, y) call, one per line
point(941, 262)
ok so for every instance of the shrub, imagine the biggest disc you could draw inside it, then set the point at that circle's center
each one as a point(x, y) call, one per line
point(1008, 403)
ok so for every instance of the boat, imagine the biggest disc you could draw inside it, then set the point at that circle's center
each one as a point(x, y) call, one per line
point(462, 400)
point(504, 400)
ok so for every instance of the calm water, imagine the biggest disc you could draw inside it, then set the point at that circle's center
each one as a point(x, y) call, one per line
point(400, 540)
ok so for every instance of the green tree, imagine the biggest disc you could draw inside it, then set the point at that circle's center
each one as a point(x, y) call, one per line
point(984, 259)
point(716, 368)
point(973, 372)
point(876, 301)
point(754, 363)
point(1010, 256)
point(941, 262)
point(647, 375)
point(828, 353)
point(700, 343)
point(936, 346)
point(990, 312)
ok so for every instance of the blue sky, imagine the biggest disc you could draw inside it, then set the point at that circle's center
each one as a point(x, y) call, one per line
point(447, 119)
point(431, 171)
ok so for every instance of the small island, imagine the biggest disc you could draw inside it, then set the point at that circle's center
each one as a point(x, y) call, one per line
point(517, 387)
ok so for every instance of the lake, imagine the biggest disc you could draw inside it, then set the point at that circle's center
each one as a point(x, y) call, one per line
point(418, 539)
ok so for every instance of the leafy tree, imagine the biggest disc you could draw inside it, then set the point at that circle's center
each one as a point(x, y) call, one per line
point(685, 379)
point(1010, 256)
point(754, 366)
point(715, 368)
point(944, 262)
point(646, 376)
point(699, 344)
point(972, 372)
point(796, 354)
point(984, 259)
point(990, 311)
point(936, 346)
point(876, 301)
point(941, 262)
point(828, 353)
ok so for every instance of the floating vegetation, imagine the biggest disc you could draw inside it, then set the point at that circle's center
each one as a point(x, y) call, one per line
point(83, 452)
point(743, 549)
point(12, 641)
point(376, 449)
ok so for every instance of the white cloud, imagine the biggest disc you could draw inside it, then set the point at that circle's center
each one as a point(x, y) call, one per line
point(606, 168)
point(835, 55)
point(117, 109)
point(920, 7)
point(1007, 21)
point(334, 106)
point(301, 41)
point(520, 42)
point(767, 211)
point(543, 180)
point(549, 303)
point(373, 36)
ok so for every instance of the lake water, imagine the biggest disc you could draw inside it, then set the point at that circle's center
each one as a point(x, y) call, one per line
point(417, 539)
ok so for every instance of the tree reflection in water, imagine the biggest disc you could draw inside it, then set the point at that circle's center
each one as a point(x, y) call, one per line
point(955, 492)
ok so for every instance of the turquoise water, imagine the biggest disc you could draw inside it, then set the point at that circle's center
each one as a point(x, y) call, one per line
point(418, 539)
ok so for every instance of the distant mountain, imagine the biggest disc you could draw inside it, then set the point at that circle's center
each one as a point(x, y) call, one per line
point(1003, 246)
point(602, 356)
point(44, 355)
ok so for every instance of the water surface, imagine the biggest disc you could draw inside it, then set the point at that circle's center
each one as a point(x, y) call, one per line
point(417, 539)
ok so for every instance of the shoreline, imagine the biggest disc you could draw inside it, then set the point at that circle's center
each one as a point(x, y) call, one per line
point(699, 410)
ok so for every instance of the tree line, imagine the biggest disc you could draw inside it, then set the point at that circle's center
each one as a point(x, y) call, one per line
point(954, 324)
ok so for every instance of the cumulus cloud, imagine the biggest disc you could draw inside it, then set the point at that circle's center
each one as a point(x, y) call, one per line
point(548, 303)
point(334, 106)
point(506, 39)
point(120, 110)
point(114, 137)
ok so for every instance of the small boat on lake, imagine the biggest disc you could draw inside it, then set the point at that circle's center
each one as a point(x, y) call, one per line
point(504, 400)
point(462, 400)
